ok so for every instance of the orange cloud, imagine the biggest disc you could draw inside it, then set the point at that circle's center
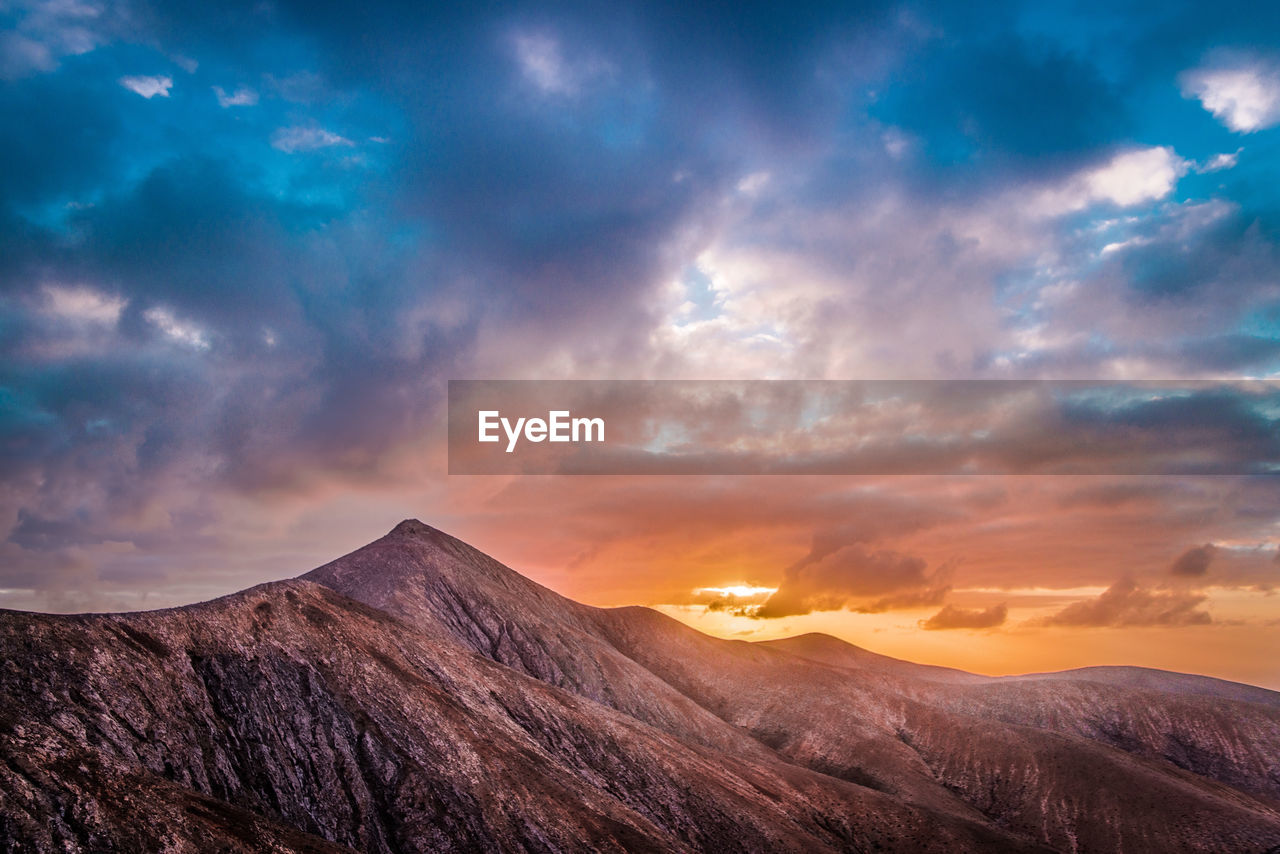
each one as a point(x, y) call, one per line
point(1126, 604)
point(953, 617)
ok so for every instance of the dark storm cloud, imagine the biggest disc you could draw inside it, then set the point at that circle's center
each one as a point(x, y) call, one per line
point(1242, 429)
point(746, 55)
point(1194, 561)
point(952, 617)
point(571, 201)
point(1233, 252)
point(60, 139)
point(193, 236)
point(1126, 604)
point(1011, 100)
point(32, 532)
point(247, 342)
point(1230, 352)
point(109, 436)
point(312, 359)
point(198, 299)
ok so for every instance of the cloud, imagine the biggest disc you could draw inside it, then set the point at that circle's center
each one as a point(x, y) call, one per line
point(1128, 178)
point(83, 304)
point(740, 600)
point(1244, 97)
point(45, 33)
point(1213, 249)
point(1219, 162)
point(875, 516)
point(181, 331)
point(933, 592)
point(1194, 561)
point(1126, 604)
point(148, 87)
point(1137, 176)
point(859, 578)
point(952, 617)
point(242, 97)
point(294, 139)
point(22, 55)
point(542, 62)
point(1234, 353)
point(1001, 101)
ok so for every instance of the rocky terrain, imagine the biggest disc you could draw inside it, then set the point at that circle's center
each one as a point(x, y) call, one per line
point(416, 695)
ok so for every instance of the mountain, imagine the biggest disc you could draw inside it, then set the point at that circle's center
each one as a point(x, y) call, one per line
point(416, 695)
point(829, 650)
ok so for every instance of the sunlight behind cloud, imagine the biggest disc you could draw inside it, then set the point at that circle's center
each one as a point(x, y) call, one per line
point(739, 590)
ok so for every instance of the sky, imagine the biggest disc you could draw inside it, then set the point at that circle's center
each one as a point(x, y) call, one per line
point(244, 246)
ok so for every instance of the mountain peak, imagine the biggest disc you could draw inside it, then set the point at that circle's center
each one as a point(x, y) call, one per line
point(420, 573)
point(360, 712)
point(412, 527)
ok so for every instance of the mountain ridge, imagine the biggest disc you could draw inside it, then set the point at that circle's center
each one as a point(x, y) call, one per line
point(417, 694)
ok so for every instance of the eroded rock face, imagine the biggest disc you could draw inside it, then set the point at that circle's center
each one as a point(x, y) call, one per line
point(418, 696)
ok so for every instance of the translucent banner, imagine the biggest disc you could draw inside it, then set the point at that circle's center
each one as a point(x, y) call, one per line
point(868, 427)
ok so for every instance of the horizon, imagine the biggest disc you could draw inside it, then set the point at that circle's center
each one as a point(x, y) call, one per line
point(667, 611)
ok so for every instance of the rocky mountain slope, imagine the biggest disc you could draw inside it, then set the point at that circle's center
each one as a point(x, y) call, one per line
point(417, 695)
